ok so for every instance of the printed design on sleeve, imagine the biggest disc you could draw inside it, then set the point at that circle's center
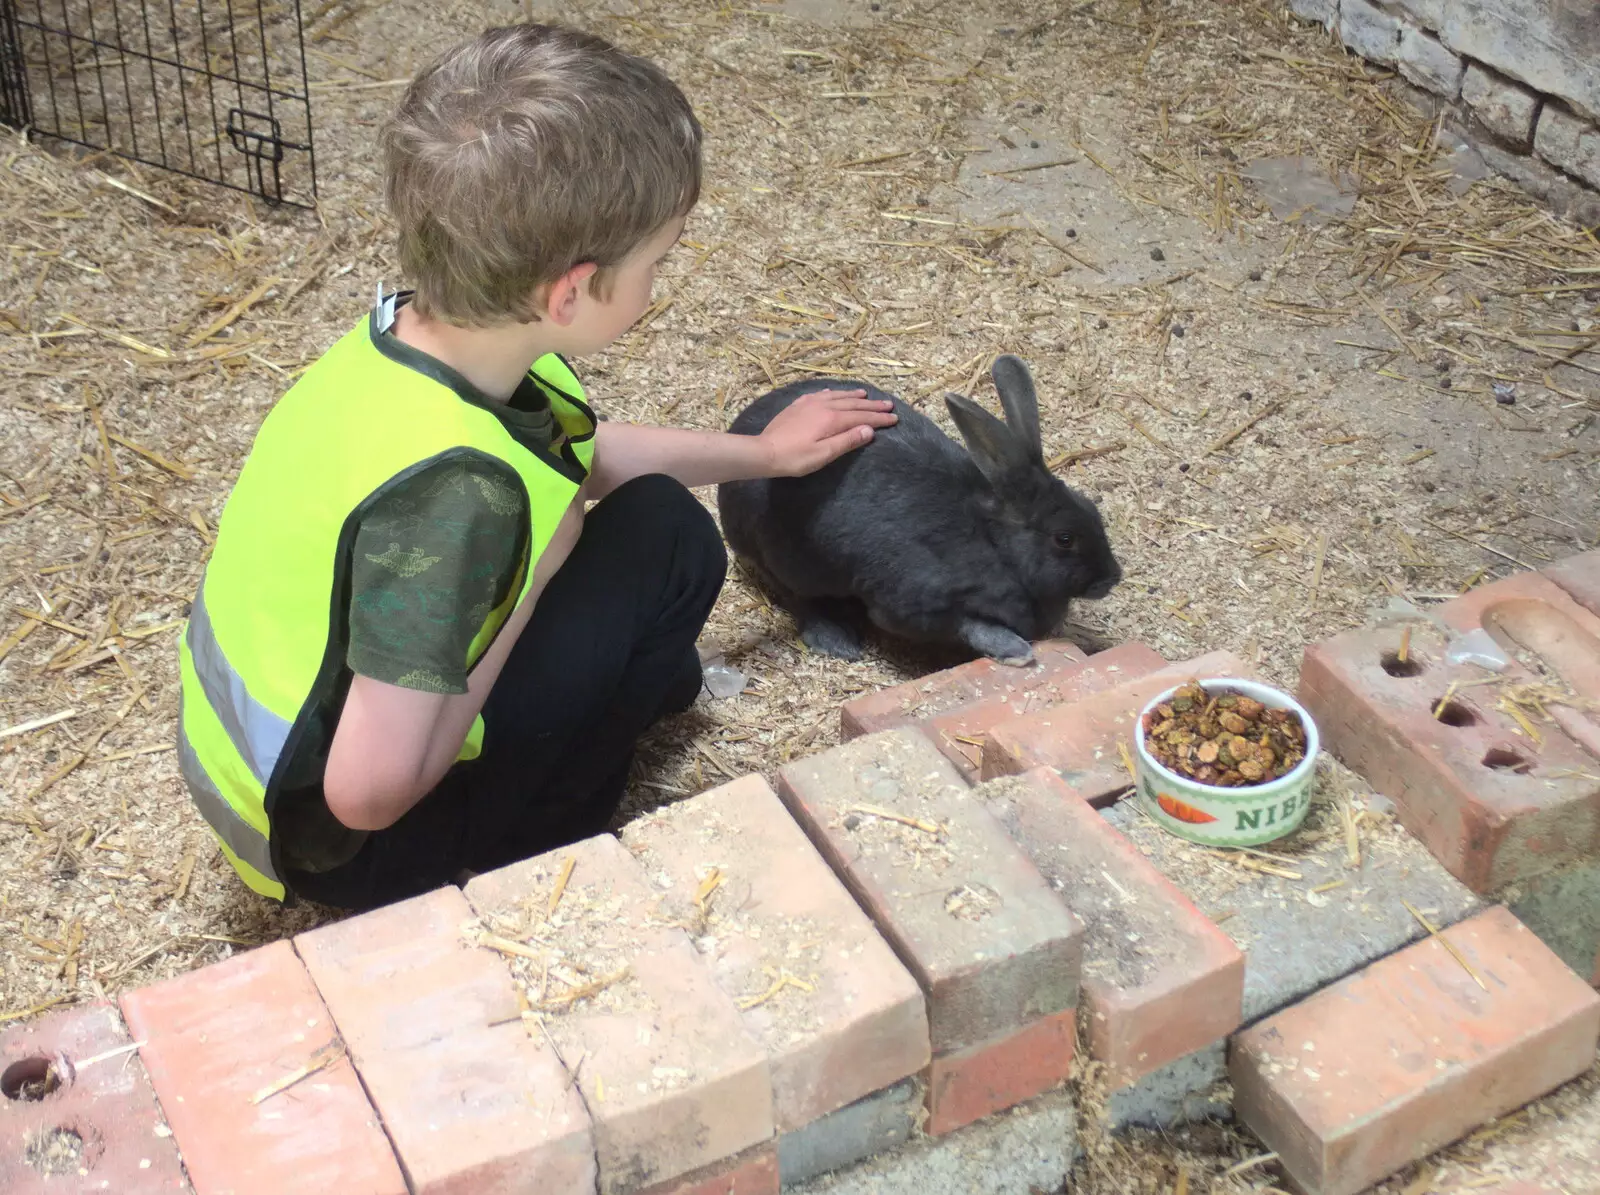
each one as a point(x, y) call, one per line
point(497, 495)
point(427, 682)
point(432, 559)
point(409, 563)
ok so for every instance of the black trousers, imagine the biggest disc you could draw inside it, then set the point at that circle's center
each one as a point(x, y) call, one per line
point(610, 648)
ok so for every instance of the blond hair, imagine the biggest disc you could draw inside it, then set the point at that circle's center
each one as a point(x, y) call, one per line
point(528, 151)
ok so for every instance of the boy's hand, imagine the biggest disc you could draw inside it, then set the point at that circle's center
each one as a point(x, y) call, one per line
point(821, 427)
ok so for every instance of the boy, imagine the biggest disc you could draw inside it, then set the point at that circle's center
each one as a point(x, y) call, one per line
point(413, 655)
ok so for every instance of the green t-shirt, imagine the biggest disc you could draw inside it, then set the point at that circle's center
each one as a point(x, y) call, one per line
point(431, 558)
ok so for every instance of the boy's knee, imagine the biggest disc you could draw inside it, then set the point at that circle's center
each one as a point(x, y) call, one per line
point(659, 506)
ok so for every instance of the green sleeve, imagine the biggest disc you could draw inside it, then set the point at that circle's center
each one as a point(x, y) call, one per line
point(431, 558)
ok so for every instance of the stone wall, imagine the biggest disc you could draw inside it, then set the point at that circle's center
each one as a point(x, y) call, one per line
point(1520, 77)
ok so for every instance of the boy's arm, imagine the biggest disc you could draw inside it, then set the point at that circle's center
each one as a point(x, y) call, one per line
point(816, 428)
point(393, 744)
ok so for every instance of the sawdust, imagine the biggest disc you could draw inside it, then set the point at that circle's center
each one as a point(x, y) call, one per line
point(54, 1152)
point(110, 878)
point(1555, 1141)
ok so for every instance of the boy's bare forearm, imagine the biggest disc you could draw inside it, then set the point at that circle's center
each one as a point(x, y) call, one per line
point(810, 431)
point(624, 451)
point(392, 745)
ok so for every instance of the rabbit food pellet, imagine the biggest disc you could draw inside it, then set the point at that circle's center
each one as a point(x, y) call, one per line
point(1224, 739)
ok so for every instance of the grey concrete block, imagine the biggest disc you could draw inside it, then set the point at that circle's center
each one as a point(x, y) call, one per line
point(1563, 908)
point(1369, 31)
point(1324, 12)
point(874, 1124)
point(1191, 1088)
point(1565, 197)
point(1031, 1146)
point(1429, 14)
point(1569, 142)
point(1296, 938)
point(1506, 108)
point(1551, 45)
point(1425, 61)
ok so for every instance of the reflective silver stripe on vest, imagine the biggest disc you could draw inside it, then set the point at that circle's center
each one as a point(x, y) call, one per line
point(256, 732)
point(243, 839)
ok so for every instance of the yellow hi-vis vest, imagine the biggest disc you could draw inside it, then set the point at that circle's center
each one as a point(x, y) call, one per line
point(266, 634)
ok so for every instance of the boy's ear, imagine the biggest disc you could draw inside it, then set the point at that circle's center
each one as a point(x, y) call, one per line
point(559, 299)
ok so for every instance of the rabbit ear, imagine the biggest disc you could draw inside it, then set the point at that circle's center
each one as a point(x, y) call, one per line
point(1015, 385)
point(994, 447)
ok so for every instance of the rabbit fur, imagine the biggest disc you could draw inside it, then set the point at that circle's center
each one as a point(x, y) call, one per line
point(983, 547)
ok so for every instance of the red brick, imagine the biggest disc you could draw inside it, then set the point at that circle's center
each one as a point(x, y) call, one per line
point(961, 733)
point(473, 1103)
point(1391, 1063)
point(1487, 825)
point(967, 1085)
point(754, 1172)
point(1479, 607)
point(1159, 979)
point(672, 1077)
point(969, 915)
point(1531, 612)
point(778, 908)
point(106, 1102)
point(957, 707)
point(976, 682)
point(1080, 740)
point(1580, 576)
point(215, 1037)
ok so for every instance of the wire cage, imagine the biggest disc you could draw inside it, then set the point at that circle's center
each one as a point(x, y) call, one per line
point(212, 89)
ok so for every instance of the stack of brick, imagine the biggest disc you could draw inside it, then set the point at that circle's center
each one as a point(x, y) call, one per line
point(1512, 810)
point(1155, 1011)
point(946, 916)
point(994, 951)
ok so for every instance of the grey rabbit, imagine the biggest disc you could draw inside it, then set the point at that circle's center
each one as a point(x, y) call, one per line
point(985, 547)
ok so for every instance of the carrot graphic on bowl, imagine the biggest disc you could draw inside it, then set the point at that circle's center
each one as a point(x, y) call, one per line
point(1184, 813)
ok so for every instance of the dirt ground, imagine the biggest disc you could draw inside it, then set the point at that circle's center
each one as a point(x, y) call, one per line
point(1288, 416)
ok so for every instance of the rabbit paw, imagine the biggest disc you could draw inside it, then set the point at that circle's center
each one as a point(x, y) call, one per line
point(998, 643)
point(829, 638)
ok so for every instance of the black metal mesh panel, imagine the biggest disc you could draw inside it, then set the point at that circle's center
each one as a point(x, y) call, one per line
point(214, 89)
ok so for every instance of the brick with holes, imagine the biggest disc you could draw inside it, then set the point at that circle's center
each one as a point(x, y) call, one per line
point(1550, 632)
point(1579, 576)
point(77, 1112)
point(1490, 802)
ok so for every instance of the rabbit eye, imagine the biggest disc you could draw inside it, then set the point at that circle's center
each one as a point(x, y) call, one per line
point(1063, 540)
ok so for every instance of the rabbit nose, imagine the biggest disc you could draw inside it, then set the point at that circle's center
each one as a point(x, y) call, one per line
point(1102, 588)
